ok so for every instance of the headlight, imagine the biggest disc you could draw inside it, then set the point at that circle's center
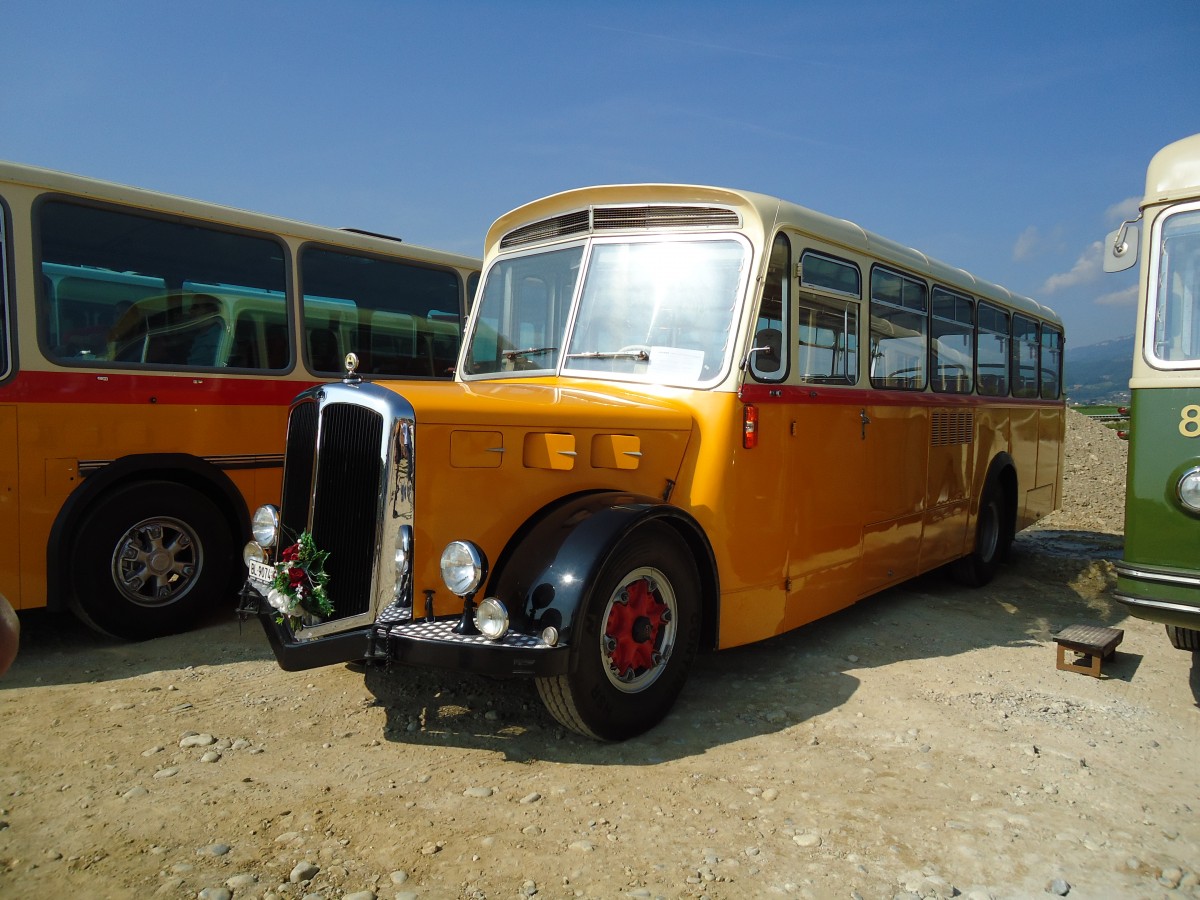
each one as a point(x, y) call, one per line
point(463, 567)
point(265, 525)
point(1189, 490)
point(492, 619)
point(252, 552)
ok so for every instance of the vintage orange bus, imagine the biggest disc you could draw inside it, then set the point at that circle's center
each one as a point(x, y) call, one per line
point(683, 418)
point(149, 347)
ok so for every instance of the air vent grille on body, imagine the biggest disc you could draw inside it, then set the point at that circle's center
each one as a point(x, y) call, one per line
point(951, 427)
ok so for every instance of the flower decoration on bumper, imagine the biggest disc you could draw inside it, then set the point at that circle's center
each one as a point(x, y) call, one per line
point(299, 586)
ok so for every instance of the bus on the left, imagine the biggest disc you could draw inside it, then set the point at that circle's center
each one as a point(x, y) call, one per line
point(149, 348)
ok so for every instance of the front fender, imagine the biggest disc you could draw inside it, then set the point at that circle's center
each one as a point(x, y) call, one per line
point(550, 566)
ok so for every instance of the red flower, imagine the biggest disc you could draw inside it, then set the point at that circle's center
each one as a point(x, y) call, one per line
point(291, 554)
point(296, 576)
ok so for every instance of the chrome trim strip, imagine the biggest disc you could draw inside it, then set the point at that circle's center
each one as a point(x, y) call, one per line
point(229, 461)
point(1143, 603)
point(1155, 576)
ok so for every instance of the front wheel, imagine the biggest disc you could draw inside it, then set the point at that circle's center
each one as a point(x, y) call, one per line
point(1184, 638)
point(149, 558)
point(637, 636)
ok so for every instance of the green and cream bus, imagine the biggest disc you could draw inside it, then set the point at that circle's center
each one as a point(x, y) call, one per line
point(1159, 577)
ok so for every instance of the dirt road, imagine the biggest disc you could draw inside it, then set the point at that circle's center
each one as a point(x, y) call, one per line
point(920, 744)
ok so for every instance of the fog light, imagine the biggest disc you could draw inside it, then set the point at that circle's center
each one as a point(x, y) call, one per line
point(463, 567)
point(1189, 490)
point(492, 619)
point(550, 636)
point(252, 552)
point(265, 525)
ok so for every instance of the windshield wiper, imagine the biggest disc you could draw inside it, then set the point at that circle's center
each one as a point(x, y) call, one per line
point(528, 351)
point(639, 355)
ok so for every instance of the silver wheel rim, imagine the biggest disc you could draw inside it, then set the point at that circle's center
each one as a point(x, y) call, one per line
point(156, 562)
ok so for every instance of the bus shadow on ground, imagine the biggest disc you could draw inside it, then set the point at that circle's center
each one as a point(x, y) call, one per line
point(57, 648)
point(778, 684)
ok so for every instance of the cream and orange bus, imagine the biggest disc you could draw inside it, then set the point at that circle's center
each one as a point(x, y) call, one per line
point(149, 347)
point(684, 418)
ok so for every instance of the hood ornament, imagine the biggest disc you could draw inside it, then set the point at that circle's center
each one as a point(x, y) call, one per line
point(352, 376)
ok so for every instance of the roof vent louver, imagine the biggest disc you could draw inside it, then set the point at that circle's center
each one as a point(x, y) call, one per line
point(620, 217)
point(661, 216)
point(559, 226)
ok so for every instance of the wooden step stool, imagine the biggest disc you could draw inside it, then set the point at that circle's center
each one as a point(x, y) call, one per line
point(1090, 643)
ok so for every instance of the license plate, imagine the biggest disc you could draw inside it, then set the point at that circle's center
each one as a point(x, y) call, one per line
point(261, 572)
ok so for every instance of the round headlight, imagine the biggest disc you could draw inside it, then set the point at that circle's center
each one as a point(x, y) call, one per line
point(463, 567)
point(491, 618)
point(265, 525)
point(1189, 490)
point(252, 552)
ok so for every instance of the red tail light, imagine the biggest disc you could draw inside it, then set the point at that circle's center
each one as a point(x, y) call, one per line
point(750, 426)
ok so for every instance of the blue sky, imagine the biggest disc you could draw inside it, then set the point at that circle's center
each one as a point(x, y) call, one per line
point(1004, 138)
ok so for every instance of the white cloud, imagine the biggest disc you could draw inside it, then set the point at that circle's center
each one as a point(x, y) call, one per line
point(1027, 242)
point(1087, 269)
point(1126, 297)
point(1126, 209)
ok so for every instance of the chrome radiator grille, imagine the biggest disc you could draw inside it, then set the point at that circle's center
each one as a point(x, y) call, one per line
point(338, 448)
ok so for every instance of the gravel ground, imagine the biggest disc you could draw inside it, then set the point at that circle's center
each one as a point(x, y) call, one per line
point(920, 744)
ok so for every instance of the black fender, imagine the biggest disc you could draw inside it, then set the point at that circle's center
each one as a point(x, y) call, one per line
point(183, 468)
point(546, 573)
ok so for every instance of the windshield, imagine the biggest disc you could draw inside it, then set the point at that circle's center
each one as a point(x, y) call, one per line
point(1175, 307)
point(660, 311)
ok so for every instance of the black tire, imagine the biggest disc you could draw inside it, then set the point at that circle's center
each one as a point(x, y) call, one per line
point(647, 599)
point(992, 538)
point(149, 558)
point(1184, 638)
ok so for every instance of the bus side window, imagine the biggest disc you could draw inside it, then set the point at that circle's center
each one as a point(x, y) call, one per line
point(827, 319)
point(767, 362)
point(1051, 371)
point(991, 350)
point(952, 345)
point(5, 331)
point(899, 330)
point(1024, 357)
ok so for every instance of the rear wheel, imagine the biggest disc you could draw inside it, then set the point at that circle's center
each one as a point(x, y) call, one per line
point(149, 558)
point(1184, 638)
point(635, 641)
point(991, 541)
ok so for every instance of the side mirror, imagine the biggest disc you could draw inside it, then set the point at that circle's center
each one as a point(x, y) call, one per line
point(1121, 249)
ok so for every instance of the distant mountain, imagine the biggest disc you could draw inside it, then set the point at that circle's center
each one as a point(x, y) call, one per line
point(1099, 373)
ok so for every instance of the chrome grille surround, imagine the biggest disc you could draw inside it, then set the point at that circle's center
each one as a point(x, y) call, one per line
point(355, 445)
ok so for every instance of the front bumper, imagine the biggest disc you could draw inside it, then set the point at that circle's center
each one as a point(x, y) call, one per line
point(1168, 596)
point(397, 637)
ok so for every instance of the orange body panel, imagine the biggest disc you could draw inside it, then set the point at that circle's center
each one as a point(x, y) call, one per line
point(100, 431)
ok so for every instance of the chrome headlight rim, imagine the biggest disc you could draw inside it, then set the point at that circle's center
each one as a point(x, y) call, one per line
point(1187, 489)
point(264, 526)
point(491, 618)
point(253, 550)
point(463, 567)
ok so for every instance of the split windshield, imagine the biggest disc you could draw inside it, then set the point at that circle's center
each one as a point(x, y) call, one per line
point(660, 311)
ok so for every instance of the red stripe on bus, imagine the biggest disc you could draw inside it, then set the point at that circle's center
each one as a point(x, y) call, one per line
point(822, 395)
point(125, 388)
